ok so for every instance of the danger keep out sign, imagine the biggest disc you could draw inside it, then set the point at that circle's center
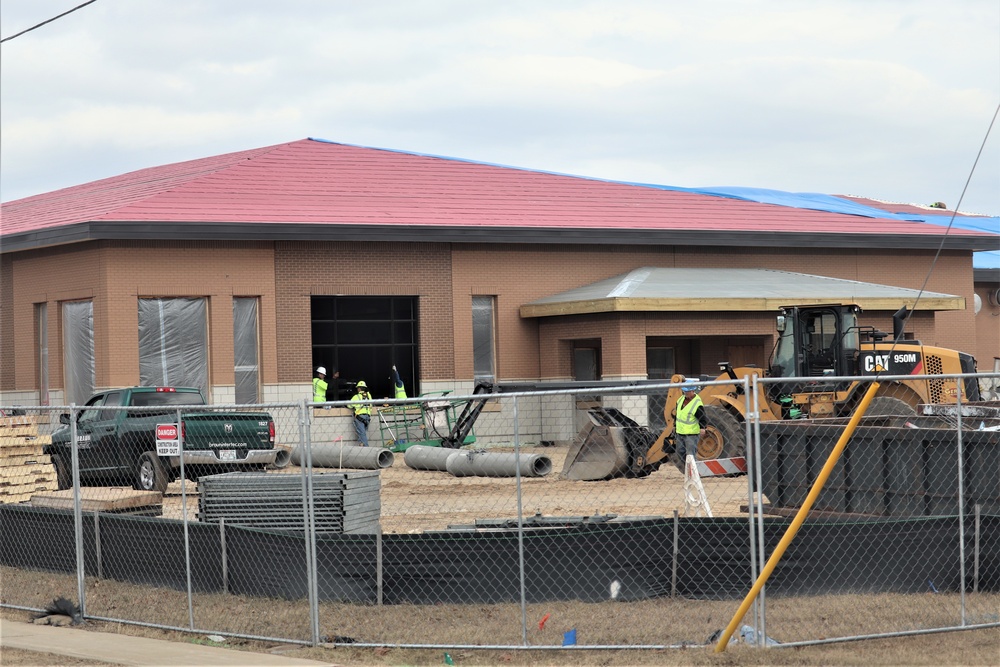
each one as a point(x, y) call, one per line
point(167, 442)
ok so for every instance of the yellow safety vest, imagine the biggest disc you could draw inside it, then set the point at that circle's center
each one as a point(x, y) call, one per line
point(687, 422)
point(361, 409)
point(319, 390)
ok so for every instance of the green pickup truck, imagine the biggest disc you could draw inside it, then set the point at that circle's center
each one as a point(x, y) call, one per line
point(143, 443)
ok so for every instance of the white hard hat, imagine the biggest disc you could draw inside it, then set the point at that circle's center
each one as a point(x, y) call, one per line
point(321, 370)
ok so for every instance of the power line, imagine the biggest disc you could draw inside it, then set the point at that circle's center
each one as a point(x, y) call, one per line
point(951, 222)
point(5, 39)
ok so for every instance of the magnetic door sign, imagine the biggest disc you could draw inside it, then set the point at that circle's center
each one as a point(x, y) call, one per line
point(167, 442)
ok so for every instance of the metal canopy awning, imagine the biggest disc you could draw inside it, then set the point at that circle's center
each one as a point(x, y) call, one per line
point(654, 289)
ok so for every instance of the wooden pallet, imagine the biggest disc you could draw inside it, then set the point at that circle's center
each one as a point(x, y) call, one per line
point(24, 469)
point(99, 499)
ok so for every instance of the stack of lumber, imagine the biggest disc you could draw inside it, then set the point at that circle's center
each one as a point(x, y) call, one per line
point(24, 469)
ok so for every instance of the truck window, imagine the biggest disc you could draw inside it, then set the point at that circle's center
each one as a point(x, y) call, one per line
point(167, 398)
point(89, 415)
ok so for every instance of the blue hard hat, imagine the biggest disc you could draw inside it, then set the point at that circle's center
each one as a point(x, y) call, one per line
point(688, 385)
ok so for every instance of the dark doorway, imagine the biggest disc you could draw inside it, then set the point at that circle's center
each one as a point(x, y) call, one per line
point(363, 337)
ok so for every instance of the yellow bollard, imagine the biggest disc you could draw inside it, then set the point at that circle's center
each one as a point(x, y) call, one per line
point(800, 517)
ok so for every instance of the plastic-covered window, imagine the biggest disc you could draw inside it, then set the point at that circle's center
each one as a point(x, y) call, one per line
point(78, 350)
point(483, 338)
point(173, 343)
point(245, 337)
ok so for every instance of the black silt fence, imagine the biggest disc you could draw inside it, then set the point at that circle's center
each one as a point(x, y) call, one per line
point(591, 563)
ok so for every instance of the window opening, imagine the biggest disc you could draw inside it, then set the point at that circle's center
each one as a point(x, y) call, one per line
point(363, 337)
point(659, 366)
point(484, 338)
point(173, 343)
point(246, 336)
point(42, 351)
point(78, 350)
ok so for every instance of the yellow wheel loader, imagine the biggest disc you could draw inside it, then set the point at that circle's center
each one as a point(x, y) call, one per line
point(822, 345)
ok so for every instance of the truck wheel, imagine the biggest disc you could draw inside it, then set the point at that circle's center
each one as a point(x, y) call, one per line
point(150, 475)
point(64, 478)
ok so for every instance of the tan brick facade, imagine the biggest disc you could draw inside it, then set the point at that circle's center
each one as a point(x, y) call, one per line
point(444, 277)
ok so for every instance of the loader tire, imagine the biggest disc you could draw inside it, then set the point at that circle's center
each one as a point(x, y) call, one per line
point(889, 411)
point(889, 406)
point(724, 438)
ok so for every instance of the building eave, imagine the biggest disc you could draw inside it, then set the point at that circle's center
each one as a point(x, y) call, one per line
point(312, 232)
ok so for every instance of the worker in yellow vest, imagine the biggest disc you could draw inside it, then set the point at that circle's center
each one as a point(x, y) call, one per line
point(397, 384)
point(362, 412)
point(319, 385)
point(689, 422)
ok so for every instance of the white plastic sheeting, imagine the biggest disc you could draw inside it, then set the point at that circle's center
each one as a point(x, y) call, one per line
point(78, 350)
point(245, 349)
point(42, 331)
point(483, 337)
point(173, 343)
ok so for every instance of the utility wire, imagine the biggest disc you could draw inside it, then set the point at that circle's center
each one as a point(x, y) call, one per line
point(951, 222)
point(6, 39)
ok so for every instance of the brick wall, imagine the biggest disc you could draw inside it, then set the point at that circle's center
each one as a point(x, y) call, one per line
point(349, 268)
point(444, 277)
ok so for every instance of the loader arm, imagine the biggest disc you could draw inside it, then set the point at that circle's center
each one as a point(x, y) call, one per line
point(467, 419)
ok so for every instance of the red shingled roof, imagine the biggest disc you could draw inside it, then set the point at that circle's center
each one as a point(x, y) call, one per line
point(315, 182)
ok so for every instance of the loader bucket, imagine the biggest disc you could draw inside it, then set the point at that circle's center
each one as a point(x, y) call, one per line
point(609, 446)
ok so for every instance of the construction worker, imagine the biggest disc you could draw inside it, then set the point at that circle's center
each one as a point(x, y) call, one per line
point(689, 421)
point(397, 384)
point(362, 412)
point(320, 385)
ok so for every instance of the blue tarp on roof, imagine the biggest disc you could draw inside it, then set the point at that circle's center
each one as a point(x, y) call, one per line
point(984, 259)
point(814, 201)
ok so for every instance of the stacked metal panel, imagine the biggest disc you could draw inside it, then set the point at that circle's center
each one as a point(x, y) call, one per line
point(343, 502)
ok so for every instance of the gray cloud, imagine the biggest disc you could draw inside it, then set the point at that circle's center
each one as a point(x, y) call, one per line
point(885, 98)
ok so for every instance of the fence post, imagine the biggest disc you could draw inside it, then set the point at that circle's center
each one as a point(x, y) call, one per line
point(673, 567)
point(378, 565)
point(97, 544)
point(77, 511)
point(184, 517)
point(309, 519)
point(755, 511)
point(520, 530)
point(961, 496)
point(975, 553)
point(225, 555)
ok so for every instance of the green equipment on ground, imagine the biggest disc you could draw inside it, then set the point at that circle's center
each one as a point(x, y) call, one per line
point(434, 421)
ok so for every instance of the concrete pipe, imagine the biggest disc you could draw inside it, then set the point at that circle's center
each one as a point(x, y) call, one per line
point(333, 455)
point(485, 464)
point(422, 457)
point(283, 457)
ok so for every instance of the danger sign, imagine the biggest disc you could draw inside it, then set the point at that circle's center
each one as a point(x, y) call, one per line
point(167, 443)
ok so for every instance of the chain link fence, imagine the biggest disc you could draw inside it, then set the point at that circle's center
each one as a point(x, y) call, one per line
point(512, 519)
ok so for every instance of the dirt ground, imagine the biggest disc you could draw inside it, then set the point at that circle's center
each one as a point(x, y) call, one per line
point(417, 500)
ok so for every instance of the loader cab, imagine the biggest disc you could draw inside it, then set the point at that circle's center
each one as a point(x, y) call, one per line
point(816, 341)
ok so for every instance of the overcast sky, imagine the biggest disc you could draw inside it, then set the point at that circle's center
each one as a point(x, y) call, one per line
point(889, 99)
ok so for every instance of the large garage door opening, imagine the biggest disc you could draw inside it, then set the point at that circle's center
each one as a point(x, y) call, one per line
point(363, 337)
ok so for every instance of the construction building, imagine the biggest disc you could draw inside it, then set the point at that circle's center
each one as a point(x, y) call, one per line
point(241, 273)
